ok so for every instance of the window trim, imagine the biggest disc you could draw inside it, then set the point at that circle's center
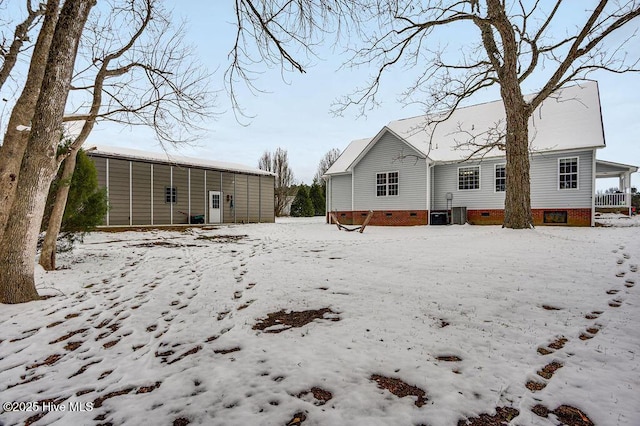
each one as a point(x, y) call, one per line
point(387, 185)
point(479, 178)
point(577, 173)
point(495, 178)
point(170, 194)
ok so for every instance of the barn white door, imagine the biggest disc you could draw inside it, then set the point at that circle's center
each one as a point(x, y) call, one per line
point(215, 207)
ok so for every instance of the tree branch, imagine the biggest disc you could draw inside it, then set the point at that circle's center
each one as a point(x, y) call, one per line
point(20, 36)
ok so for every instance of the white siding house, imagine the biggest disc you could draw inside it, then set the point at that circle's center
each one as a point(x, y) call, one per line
point(411, 172)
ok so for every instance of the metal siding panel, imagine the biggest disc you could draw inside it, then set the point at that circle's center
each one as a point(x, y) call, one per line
point(101, 168)
point(141, 193)
point(181, 183)
point(267, 199)
point(341, 193)
point(254, 198)
point(385, 156)
point(118, 192)
point(228, 191)
point(241, 198)
point(198, 195)
point(213, 180)
point(161, 209)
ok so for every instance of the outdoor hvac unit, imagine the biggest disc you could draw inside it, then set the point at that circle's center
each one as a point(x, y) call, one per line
point(439, 218)
point(459, 215)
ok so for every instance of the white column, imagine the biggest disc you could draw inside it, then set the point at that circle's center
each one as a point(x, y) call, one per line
point(428, 166)
point(593, 188)
point(627, 188)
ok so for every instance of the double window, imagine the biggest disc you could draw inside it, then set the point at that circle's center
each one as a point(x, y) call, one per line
point(501, 177)
point(468, 178)
point(387, 184)
point(568, 173)
point(170, 194)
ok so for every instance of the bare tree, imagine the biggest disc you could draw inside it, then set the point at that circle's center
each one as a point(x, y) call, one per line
point(16, 135)
point(150, 79)
point(11, 48)
point(148, 76)
point(278, 163)
point(18, 243)
point(516, 41)
point(325, 163)
point(284, 34)
point(266, 161)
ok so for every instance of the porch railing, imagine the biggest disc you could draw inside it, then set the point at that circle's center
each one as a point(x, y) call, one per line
point(612, 200)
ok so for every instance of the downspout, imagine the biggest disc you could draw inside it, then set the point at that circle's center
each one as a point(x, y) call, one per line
point(326, 200)
point(428, 191)
point(171, 194)
point(189, 193)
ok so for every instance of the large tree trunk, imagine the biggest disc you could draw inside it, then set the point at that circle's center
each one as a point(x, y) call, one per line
point(517, 202)
point(40, 163)
point(48, 250)
point(15, 141)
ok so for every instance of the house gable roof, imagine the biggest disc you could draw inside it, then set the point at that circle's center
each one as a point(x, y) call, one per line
point(570, 119)
point(348, 156)
point(357, 149)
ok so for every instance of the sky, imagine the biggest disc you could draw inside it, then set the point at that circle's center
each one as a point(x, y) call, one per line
point(294, 111)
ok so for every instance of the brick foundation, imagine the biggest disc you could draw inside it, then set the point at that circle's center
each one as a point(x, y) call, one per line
point(575, 217)
point(383, 217)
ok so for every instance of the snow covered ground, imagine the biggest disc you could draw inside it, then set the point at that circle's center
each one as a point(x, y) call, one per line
point(157, 327)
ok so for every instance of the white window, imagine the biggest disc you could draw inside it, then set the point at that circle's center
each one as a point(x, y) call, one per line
point(387, 184)
point(215, 201)
point(501, 177)
point(170, 194)
point(568, 173)
point(469, 178)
